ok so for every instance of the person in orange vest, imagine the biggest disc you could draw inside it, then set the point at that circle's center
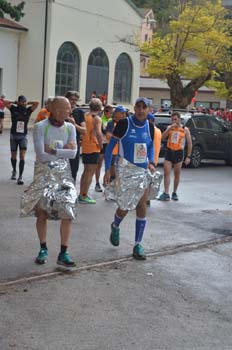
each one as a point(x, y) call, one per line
point(177, 135)
point(91, 148)
point(44, 113)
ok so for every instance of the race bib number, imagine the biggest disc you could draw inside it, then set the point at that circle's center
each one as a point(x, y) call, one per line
point(140, 152)
point(20, 127)
point(57, 144)
point(175, 138)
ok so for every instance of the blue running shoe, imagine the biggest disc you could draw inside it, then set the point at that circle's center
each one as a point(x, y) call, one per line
point(115, 235)
point(164, 197)
point(138, 252)
point(65, 260)
point(174, 196)
point(42, 257)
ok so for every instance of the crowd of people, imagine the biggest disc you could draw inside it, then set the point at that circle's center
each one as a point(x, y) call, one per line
point(128, 143)
point(223, 113)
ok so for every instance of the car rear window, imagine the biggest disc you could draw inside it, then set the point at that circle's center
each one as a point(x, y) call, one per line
point(201, 123)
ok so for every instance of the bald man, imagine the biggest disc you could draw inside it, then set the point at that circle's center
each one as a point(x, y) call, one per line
point(52, 194)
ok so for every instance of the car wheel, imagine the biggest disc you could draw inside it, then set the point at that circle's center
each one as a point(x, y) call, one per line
point(196, 157)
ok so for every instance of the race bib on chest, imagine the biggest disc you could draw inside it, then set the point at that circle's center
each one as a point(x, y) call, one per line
point(20, 127)
point(140, 152)
point(57, 144)
point(175, 137)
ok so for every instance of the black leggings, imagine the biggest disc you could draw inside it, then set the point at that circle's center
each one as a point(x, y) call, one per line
point(74, 164)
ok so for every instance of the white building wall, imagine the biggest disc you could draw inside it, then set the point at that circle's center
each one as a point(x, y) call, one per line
point(9, 62)
point(86, 26)
point(31, 51)
point(89, 27)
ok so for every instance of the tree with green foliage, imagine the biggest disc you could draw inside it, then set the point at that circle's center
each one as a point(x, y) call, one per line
point(15, 12)
point(164, 11)
point(194, 48)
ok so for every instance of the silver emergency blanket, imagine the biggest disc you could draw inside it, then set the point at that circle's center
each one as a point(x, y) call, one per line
point(52, 190)
point(130, 184)
point(155, 182)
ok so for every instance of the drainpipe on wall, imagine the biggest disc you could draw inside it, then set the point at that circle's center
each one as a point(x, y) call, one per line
point(44, 53)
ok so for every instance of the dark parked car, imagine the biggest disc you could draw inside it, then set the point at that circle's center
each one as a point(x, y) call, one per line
point(211, 137)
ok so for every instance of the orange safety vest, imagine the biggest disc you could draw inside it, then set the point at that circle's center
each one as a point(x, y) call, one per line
point(89, 140)
point(176, 139)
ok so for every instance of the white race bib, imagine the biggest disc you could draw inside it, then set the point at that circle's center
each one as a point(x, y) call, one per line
point(57, 144)
point(20, 127)
point(175, 137)
point(140, 152)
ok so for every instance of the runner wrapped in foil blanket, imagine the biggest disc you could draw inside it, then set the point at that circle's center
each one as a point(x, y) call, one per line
point(130, 184)
point(52, 190)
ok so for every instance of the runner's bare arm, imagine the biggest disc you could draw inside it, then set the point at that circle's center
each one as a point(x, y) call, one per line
point(8, 103)
point(81, 128)
point(189, 145)
point(98, 124)
point(166, 132)
point(33, 104)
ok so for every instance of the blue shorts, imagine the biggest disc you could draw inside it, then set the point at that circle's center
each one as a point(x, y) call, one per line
point(18, 141)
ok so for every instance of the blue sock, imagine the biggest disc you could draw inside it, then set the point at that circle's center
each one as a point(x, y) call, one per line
point(139, 229)
point(117, 220)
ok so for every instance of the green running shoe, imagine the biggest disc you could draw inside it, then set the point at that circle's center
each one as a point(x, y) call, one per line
point(115, 235)
point(86, 200)
point(65, 260)
point(138, 252)
point(42, 257)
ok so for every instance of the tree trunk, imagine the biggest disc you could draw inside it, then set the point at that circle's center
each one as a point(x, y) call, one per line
point(228, 83)
point(181, 96)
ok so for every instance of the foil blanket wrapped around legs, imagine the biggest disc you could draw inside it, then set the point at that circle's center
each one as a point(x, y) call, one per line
point(52, 190)
point(130, 183)
point(155, 182)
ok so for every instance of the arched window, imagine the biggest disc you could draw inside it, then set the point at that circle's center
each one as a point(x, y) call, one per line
point(97, 73)
point(67, 69)
point(123, 79)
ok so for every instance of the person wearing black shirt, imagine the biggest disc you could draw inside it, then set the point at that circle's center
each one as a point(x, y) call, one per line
point(78, 120)
point(20, 114)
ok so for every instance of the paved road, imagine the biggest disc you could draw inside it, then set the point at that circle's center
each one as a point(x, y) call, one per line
point(180, 298)
point(203, 212)
point(175, 302)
